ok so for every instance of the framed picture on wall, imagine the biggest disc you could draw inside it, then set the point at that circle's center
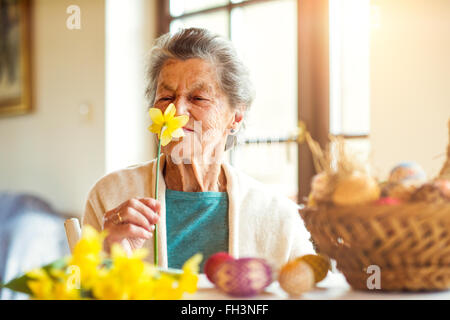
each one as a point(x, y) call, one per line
point(15, 70)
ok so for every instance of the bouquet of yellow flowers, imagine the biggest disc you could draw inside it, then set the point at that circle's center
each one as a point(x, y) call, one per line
point(91, 274)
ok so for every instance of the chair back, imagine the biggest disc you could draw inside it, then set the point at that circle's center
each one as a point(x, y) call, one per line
point(73, 232)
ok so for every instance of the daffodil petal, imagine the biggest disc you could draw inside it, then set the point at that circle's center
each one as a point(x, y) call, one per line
point(178, 133)
point(166, 137)
point(166, 125)
point(117, 251)
point(140, 253)
point(156, 116)
point(155, 128)
point(170, 112)
point(37, 273)
point(178, 122)
point(90, 233)
point(192, 264)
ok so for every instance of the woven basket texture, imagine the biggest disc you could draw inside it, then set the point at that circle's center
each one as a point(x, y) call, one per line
point(409, 242)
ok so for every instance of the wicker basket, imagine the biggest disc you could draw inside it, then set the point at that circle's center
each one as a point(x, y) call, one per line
point(410, 242)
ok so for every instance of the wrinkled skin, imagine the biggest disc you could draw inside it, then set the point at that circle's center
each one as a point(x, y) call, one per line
point(193, 87)
point(193, 163)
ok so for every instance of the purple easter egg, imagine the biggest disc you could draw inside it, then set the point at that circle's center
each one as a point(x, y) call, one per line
point(243, 277)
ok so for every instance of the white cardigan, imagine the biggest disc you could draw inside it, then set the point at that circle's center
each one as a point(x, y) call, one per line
point(261, 223)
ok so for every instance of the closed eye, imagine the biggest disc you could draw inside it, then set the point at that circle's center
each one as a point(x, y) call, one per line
point(198, 98)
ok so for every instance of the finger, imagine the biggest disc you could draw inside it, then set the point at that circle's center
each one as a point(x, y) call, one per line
point(109, 214)
point(110, 219)
point(128, 230)
point(147, 211)
point(133, 216)
point(130, 215)
point(153, 204)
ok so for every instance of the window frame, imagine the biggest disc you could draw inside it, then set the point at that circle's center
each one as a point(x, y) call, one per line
point(313, 94)
point(165, 18)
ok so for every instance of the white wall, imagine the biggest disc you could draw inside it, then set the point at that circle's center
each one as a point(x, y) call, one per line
point(130, 31)
point(55, 152)
point(410, 83)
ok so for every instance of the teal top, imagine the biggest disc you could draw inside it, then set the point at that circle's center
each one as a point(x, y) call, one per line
point(195, 222)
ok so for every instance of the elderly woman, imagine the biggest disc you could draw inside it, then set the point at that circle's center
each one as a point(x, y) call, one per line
point(205, 204)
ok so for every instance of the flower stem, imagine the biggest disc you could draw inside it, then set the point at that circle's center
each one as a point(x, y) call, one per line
point(155, 234)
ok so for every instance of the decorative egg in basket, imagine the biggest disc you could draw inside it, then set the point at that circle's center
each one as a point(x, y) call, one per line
point(444, 186)
point(408, 173)
point(398, 190)
point(389, 201)
point(403, 230)
point(243, 277)
point(320, 189)
point(356, 189)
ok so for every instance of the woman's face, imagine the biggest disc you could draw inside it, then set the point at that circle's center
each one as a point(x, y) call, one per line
point(193, 87)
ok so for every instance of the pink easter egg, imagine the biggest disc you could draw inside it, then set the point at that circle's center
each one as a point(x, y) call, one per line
point(214, 262)
point(243, 277)
point(444, 186)
point(388, 201)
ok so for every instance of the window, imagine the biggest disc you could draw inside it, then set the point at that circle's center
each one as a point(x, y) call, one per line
point(350, 72)
point(265, 36)
point(308, 60)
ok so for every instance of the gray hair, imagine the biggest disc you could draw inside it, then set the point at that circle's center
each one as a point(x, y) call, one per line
point(233, 76)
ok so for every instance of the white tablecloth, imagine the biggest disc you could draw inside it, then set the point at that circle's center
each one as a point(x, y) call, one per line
point(334, 286)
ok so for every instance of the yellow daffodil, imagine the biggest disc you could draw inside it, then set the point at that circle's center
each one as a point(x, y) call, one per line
point(165, 288)
point(129, 277)
point(189, 278)
point(166, 125)
point(87, 255)
point(109, 287)
point(54, 287)
point(144, 289)
point(128, 268)
point(122, 277)
point(192, 265)
point(41, 286)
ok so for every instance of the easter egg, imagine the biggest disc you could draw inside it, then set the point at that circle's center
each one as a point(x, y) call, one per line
point(243, 277)
point(398, 190)
point(214, 262)
point(409, 173)
point(429, 192)
point(321, 187)
point(444, 186)
point(356, 189)
point(388, 201)
point(296, 277)
point(318, 263)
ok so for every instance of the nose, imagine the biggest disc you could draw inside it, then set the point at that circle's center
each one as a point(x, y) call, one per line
point(182, 106)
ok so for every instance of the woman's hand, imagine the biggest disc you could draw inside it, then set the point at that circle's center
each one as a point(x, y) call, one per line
point(131, 223)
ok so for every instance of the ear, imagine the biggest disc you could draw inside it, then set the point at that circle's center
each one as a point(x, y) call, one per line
point(238, 117)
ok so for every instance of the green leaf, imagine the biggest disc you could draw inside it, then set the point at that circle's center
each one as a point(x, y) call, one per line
point(19, 284)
